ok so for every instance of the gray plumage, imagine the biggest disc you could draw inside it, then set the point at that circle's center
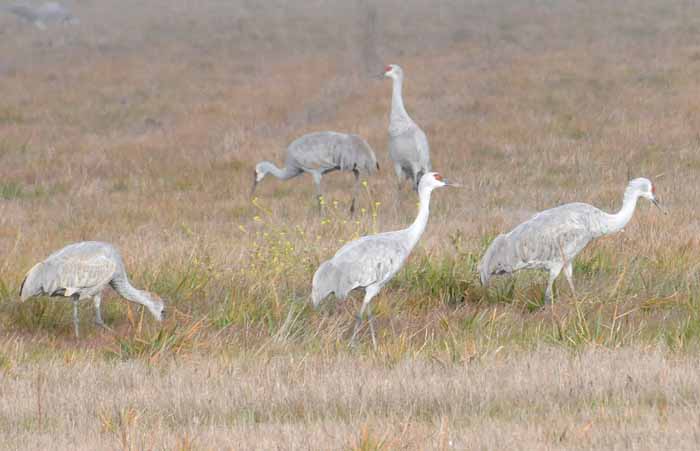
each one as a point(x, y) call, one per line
point(321, 153)
point(46, 13)
point(408, 145)
point(371, 261)
point(551, 239)
point(81, 271)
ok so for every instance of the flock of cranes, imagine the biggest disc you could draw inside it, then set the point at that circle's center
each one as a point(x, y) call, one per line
point(549, 241)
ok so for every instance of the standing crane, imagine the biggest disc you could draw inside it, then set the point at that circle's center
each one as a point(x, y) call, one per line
point(321, 153)
point(408, 145)
point(82, 270)
point(371, 261)
point(551, 239)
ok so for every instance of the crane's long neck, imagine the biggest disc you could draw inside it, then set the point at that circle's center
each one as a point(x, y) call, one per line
point(418, 227)
point(122, 286)
point(270, 168)
point(399, 117)
point(617, 221)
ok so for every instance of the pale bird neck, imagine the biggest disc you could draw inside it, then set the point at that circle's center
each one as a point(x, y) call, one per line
point(125, 289)
point(418, 227)
point(619, 220)
point(400, 119)
point(271, 168)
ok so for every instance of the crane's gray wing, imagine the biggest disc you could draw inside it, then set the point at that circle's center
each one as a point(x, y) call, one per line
point(551, 237)
point(367, 261)
point(77, 274)
point(539, 244)
point(31, 285)
point(356, 153)
point(422, 150)
point(312, 154)
point(410, 150)
point(23, 12)
point(498, 259)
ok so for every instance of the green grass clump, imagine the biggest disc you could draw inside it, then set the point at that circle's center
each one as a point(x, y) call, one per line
point(11, 190)
point(11, 115)
point(449, 280)
point(170, 340)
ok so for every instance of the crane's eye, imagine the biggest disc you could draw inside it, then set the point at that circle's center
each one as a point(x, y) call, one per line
point(438, 177)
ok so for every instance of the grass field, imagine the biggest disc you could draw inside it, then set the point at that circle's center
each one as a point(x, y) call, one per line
point(141, 127)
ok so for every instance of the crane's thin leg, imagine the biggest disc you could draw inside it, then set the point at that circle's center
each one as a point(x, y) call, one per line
point(397, 199)
point(370, 319)
point(553, 274)
point(400, 178)
point(97, 300)
point(319, 194)
point(370, 292)
point(355, 190)
point(358, 321)
point(569, 272)
point(75, 316)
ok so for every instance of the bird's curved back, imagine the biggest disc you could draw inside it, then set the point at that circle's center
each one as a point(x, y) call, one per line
point(84, 265)
point(312, 150)
point(331, 150)
point(359, 155)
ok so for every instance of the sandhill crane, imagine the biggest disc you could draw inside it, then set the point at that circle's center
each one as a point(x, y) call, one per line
point(371, 261)
point(82, 270)
point(321, 153)
point(408, 145)
point(41, 15)
point(551, 239)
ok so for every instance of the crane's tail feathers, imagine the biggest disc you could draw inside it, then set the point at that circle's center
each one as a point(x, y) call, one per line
point(28, 287)
point(419, 175)
point(495, 260)
point(21, 288)
point(324, 282)
point(483, 277)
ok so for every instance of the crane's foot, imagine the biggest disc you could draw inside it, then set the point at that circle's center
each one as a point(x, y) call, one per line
point(353, 339)
point(371, 329)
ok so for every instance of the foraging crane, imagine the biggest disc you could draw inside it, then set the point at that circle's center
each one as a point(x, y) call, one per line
point(371, 261)
point(408, 145)
point(551, 239)
point(321, 153)
point(82, 270)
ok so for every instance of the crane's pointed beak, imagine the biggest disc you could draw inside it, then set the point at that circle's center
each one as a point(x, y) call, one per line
point(452, 184)
point(655, 201)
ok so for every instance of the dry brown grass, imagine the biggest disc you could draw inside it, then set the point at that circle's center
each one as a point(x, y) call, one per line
point(141, 127)
point(547, 398)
